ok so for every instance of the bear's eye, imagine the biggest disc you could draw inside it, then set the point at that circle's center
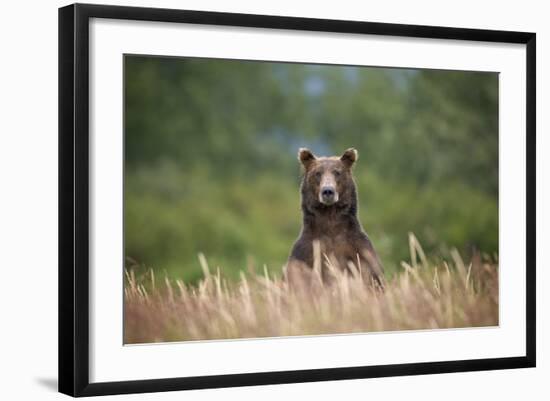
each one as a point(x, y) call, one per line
point(337, 173)
point(318, 175)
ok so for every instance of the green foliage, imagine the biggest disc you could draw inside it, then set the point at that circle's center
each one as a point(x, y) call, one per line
point(210, 158)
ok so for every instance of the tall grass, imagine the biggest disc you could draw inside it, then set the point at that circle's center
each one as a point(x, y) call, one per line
point(425, 295)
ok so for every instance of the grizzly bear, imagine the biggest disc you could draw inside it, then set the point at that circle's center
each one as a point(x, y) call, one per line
point(330, 223)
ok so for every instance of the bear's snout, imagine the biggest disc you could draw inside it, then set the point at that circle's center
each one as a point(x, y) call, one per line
point(328, 195)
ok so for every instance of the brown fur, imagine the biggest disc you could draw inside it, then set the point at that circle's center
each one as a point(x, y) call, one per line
point(334, 225)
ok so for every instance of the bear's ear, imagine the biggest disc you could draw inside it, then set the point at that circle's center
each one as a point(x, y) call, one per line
point(349, 157)
point(306, 157)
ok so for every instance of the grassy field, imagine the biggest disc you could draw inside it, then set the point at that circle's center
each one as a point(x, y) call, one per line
point(425, 295)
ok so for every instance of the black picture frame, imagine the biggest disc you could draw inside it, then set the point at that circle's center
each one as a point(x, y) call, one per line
point(74, 198)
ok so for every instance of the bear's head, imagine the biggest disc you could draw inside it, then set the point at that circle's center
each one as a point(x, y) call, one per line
point(328, 181)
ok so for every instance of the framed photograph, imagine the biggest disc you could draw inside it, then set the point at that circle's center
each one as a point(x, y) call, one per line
point(252, 199)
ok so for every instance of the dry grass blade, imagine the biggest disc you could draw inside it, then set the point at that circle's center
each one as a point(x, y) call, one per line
point(264, 306)
point(204, 265)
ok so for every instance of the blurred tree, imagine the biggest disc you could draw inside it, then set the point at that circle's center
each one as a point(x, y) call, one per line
point(210, 156)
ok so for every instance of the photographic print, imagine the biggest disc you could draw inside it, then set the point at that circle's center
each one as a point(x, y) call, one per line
point(255, 199)
point(270, 199)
